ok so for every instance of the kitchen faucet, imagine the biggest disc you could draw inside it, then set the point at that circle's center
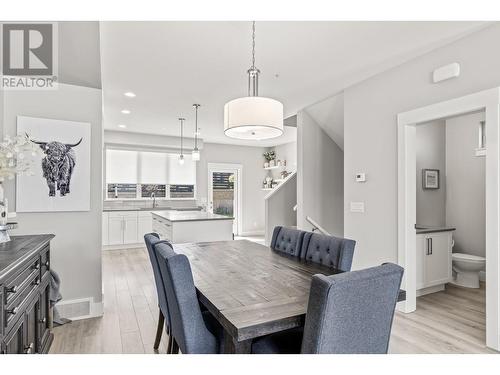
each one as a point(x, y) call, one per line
point(153, 196)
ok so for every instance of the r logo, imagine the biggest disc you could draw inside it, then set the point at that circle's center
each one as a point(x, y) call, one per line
point(27, 49)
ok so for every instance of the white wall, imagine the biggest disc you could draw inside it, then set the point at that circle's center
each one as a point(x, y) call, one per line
point(76, 248)
point(320, 177)
point(253, 176)
point(370, 110)
point(279, 207)
point(288, 152)
point(431, 154)
point(466, 177)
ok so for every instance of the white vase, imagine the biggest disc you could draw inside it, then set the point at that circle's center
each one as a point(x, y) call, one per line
point(272, 163)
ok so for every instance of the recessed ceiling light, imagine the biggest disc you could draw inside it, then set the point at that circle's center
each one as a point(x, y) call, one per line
point(125, 111)
point(129, 94)
point(122, 126)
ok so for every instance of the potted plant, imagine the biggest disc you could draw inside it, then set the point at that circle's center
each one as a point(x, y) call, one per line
point(270, 157)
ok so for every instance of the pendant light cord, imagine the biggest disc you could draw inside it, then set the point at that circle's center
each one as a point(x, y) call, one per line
point(253, 44)
point(182, 134)
point(196, 126)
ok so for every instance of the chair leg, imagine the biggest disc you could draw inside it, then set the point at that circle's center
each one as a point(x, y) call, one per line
point(169, 344)
point(175, 347)
point(159, 330)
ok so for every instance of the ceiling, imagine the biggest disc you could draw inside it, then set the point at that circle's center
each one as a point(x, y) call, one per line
point(171, 65)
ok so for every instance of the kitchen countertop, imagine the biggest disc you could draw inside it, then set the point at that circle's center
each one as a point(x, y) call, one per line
point(114, 209)
point(420, 229)
point(178, 216)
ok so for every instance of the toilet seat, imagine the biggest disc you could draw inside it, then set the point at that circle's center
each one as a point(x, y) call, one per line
point(467, 257)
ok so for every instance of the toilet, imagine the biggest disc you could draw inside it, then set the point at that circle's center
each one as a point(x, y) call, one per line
point(466, 268)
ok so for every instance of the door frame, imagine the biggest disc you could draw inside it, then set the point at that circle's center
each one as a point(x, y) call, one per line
point(489, 101)
point(230, 167)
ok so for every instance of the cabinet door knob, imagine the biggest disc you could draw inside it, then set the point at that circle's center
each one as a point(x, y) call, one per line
point(47, 264)
point(13, 311)
point(12, 289)
point(36, 282)
point(29, 349)
point(42, 321)
point(36, 266)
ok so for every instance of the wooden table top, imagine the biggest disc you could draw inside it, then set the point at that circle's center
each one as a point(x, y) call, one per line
point(250, 289)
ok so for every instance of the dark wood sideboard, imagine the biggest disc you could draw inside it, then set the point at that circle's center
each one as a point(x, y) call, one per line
point(26, 317)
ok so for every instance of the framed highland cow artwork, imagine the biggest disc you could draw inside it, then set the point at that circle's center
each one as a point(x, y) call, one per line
point(60, 179)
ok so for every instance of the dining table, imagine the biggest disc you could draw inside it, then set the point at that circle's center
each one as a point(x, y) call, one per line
point(250, 289)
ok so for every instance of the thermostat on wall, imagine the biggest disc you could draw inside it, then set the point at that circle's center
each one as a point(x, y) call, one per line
point(360, 177)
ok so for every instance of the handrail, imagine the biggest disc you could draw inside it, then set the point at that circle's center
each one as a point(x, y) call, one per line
point(316, 226)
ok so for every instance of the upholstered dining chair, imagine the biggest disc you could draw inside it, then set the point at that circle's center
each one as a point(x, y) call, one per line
point(348, 313)
point(194, 332)
point(151, 239)
point(330, 251)
point(287, 240)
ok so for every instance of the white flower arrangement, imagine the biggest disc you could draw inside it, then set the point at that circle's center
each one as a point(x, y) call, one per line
point(17, 156)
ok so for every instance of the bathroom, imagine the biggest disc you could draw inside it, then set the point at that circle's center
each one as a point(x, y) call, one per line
point(450, 204)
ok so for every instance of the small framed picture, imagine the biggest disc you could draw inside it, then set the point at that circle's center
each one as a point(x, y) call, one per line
point(430, 178)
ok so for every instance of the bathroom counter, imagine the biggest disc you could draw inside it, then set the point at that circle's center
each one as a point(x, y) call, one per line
point(422, 229)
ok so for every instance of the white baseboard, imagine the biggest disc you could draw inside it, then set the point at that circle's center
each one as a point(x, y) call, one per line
point(81, 308)
point(123, 247)
point(252, 233)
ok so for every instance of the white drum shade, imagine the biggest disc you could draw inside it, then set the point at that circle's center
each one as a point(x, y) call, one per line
point(253, 117)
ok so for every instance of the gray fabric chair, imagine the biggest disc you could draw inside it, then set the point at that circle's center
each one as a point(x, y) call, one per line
point(194, 332)
point(287, 240)
point(329, 251)
point(348, 313)
point(152, 239)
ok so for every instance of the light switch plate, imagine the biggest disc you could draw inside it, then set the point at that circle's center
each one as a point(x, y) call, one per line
point(360, 177)
point(357, 206)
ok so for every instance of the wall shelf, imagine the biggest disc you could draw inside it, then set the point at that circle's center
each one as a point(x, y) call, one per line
point(275, 167)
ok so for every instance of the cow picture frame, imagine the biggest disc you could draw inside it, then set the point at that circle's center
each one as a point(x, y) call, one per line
point(60, 179)
point(430, 179)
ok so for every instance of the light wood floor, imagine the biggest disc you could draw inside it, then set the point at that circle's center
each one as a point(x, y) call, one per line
point(452, 321)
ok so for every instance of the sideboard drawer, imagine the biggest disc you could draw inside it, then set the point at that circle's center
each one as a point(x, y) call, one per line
point(15, 285)
point(17, 305)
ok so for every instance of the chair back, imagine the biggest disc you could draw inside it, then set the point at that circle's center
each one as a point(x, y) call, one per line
point(330, 251)
point(287, 240)
point(187, 324)
point(352, 312)
point(151, 239)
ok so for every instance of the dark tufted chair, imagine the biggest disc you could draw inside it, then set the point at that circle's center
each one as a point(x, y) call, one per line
point(151, 239)
point(329, 251)
point(287, 240)
point(194, 332)
point(348, 313)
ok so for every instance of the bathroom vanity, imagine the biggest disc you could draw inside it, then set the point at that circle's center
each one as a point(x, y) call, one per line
point(434, 247)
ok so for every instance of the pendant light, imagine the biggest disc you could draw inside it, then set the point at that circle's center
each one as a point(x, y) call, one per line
point(196, 153)
point(181, 156)
point(253, 117)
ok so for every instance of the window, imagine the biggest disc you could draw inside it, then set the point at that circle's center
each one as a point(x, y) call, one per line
point(134, 174)
point(122, 191)
point(181, 191)
point(150, 190)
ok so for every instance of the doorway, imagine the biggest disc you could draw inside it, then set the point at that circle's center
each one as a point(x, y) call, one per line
point(487, 101)
point(224, 192)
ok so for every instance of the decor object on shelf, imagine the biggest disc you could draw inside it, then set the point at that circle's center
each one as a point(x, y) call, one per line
point(253, 117)
point(430, 178)
point(196, 152)
point(269, 155)
point(266, 164)
point(61, 177)
point(181, 156)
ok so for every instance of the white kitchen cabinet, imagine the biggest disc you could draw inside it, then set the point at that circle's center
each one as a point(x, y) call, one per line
point(115, 230)
point(122, 228)
point(433, 261)
point(144, 225)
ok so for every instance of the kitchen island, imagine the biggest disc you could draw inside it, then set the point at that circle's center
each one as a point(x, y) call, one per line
point(192, 226)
